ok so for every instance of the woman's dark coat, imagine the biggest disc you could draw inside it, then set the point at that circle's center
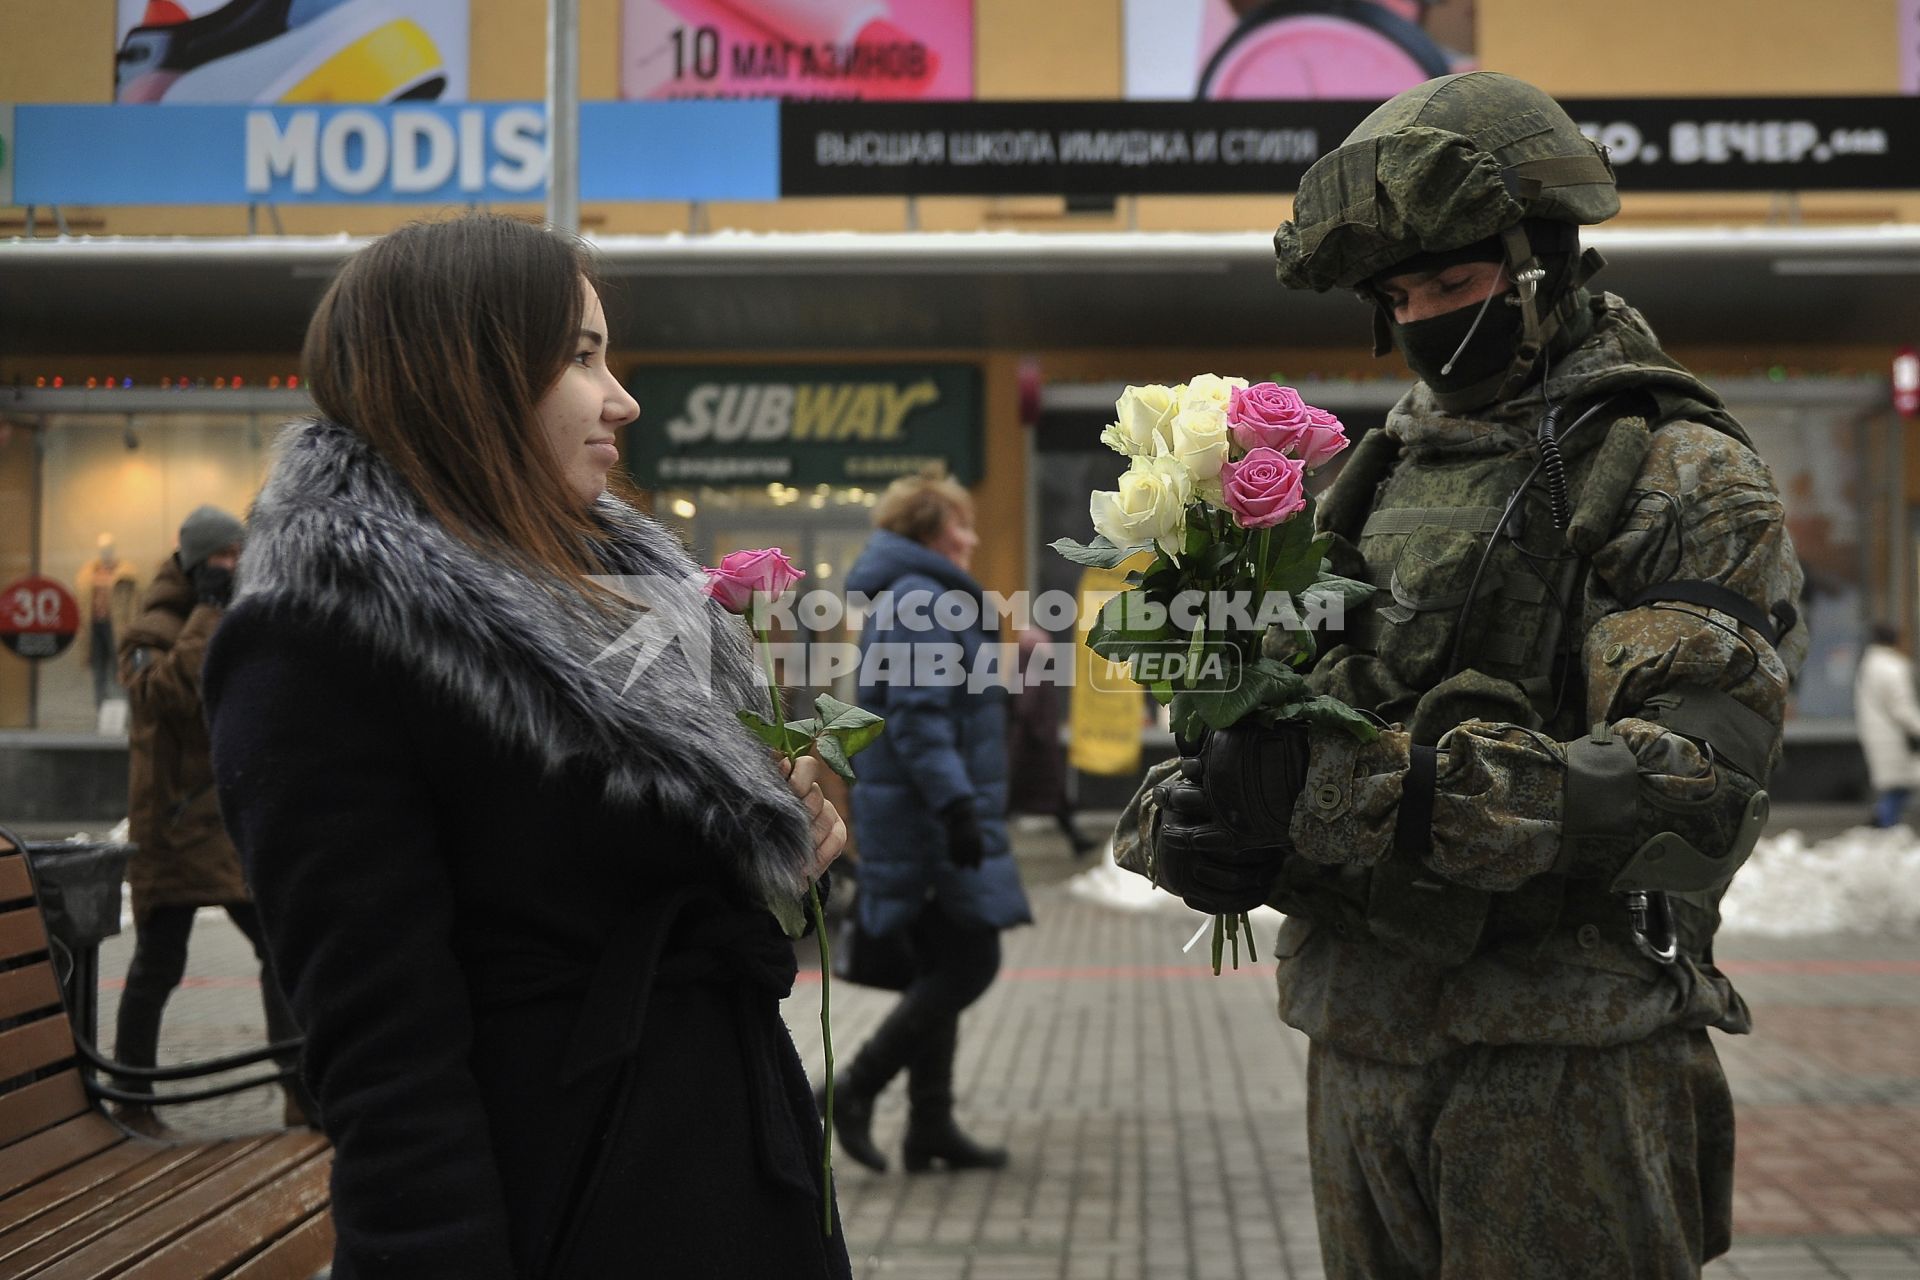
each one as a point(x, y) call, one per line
point(946, 739)
point(182, 856)
point(1036, 765)
point(514, 904)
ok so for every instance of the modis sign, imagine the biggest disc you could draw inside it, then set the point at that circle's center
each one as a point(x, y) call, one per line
point(409, 151)
point(396, 153)
point(801, 424)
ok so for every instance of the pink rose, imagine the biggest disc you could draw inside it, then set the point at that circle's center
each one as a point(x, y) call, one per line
point(1320, 439)
point(745, 574)
point(1264, 488)
point(1269, 416)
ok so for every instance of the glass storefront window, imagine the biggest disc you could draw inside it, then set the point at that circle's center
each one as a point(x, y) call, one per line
point(1818, 454)
point(123, 481)
point(821, 528)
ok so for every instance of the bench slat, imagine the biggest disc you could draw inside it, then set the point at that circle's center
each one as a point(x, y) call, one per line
point(28, 989)
point(17, 1211)
point(35, 1045)
point(51, 1203)
point(32, 1159)
point(233, 1236)
point(294, 1256)
point(14, 880)
point(178, 1214)
point(41, 1105)
point(89, 1219)
point(21, 933)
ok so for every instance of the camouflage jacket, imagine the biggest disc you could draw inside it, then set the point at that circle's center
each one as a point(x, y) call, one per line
point(1547, 955)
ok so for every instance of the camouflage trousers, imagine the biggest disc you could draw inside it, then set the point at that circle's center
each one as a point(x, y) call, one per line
point(1516, 1161)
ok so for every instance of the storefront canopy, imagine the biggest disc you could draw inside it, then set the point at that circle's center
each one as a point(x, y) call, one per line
point(932, 290)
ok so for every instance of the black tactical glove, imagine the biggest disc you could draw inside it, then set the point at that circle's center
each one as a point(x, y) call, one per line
point(212, 584)
point(1224, 820)
point(965, 848)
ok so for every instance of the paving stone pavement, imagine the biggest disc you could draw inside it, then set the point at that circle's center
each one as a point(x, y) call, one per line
point(1154, 1112)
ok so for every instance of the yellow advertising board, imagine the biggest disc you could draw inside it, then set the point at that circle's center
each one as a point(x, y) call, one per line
point(1107, 710)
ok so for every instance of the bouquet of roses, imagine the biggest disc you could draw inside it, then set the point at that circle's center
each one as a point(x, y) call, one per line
point(1219, 625)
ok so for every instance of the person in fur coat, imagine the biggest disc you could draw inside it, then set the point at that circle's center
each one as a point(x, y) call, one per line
point(475, 736)
point(1888, 715)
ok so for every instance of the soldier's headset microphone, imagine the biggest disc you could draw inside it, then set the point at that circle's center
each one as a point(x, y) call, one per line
point(1547, 441)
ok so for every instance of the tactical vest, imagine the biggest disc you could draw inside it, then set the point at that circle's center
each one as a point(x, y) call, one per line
point(1475, 615)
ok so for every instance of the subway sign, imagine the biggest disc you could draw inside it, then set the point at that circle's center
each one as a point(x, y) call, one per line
point(859, 425)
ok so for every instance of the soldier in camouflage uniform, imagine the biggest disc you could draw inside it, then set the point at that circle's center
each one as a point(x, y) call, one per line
point(1501, 911)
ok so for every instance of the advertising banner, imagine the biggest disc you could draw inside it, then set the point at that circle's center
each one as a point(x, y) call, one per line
point(856, 424)
point(1186, 148)
point(765, 149)
point(869, 50)
point(1106, 710)
point(1227, 50)
point(242, 51)
point(1908, 34)
point(418, 153)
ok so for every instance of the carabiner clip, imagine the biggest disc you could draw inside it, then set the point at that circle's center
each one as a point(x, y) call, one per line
point(1640, 913)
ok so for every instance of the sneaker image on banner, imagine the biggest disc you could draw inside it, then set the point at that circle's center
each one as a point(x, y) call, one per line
point(291, 51)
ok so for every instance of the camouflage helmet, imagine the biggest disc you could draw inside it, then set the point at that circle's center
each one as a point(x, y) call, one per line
point(1445, 164)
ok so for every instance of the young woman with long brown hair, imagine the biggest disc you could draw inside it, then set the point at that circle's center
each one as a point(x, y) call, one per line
point(512, 867)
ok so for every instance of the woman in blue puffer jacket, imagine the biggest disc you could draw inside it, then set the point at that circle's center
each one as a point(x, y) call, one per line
point(929, 812)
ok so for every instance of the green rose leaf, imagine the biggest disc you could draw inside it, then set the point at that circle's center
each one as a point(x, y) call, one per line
point(783, 738)
point(1322, 712)
point(1350, 591)
point(1099, 553)
point(835, 756)
point(791, 915)
point(852, 728)
point(1262, 683)
point(1116, 636)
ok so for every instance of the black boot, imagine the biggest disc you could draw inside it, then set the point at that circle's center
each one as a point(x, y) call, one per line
point(931, 1133)
point(852, 1123)
point(858, 1084)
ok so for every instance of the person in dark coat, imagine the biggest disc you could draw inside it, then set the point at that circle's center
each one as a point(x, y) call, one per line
point(1036, 766)
point(475, 733)
point(929, 812)
point(182, 858)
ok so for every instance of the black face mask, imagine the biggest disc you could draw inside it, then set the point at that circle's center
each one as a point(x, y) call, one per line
point(1429, 345)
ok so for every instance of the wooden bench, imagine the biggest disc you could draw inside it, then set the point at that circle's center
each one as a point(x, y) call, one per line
point(82, 1198)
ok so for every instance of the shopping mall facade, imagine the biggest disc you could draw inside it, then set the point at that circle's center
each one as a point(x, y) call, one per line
point(149, 357)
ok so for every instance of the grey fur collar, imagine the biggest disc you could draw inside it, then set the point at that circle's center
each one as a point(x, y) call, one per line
point(336, 532)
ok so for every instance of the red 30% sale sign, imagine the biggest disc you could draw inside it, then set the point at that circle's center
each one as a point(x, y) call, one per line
point(38, 617)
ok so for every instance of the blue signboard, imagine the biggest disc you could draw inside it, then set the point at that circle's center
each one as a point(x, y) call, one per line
point(402, 153)
point(689, 149)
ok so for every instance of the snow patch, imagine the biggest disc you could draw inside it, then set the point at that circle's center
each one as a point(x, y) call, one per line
point(1860, 881)
point(1108, 885)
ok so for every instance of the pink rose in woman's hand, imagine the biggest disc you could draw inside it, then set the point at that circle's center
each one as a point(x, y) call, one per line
point(745, 574)
point(1264, 488)
point(1269, 416)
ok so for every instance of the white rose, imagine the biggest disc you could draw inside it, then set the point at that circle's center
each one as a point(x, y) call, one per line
point(1201, 440)
point(1209, 390)
point(1149, 506)
point(1116, 439)
point(1146, 420)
